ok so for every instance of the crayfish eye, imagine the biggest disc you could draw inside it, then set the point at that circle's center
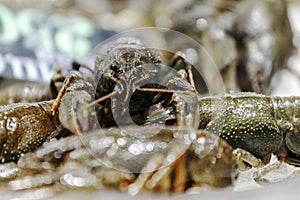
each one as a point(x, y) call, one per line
point(292, 141)
point(113, 67)
point(116, 69)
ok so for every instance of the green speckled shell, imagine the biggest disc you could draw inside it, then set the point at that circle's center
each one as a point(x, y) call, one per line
point(245, 121)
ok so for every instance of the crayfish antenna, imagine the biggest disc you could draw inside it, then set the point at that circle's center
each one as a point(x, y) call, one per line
point(69, 79)
point(191, 76)
point(101, 99)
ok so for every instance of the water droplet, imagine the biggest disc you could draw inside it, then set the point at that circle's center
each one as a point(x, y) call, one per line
point(201, 140)
point(201, 23)
point(136, 149)
point(122, 141)
point(213, 160)
point(123, 133)
point(171, 158)
point(150, 146)
point(11, 124)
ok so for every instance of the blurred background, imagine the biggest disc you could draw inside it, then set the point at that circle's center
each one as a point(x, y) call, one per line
point(254, 43)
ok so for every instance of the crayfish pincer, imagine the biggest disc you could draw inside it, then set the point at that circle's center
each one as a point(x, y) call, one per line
point(24, 127)
point(259, 124)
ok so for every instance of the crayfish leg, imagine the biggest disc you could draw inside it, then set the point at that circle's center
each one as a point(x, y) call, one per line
point(180, 175)
point(242, 156)
point(69, 79)
point(186, 73)
point(258, 175)
point(159, 172)
point(152, 165)
point(56, 82)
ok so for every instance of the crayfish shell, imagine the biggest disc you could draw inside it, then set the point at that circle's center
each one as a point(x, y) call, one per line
point(214, 169)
